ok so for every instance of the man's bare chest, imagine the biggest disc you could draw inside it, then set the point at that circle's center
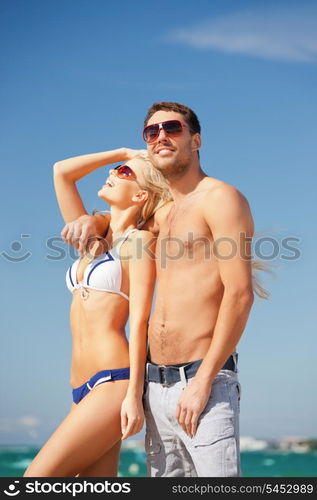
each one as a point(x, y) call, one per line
point(183, 232)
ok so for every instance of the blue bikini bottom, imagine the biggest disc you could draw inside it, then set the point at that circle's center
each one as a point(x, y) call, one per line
point(99, 378)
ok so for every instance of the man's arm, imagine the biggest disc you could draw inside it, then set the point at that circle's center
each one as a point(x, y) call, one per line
point(228, 216)
point(78, 232)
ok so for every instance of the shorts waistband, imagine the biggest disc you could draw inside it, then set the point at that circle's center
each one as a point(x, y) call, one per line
point(170, 374)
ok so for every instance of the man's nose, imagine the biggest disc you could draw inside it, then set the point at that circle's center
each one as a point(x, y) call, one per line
point(162, 134)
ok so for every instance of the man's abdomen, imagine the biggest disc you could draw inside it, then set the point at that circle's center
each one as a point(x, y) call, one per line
point(184, 318)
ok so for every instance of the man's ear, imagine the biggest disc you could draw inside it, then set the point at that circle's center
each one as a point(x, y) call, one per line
point(196, 142)
point(140, 197)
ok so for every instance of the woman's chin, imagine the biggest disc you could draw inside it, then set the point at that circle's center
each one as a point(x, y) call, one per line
point(102, 194)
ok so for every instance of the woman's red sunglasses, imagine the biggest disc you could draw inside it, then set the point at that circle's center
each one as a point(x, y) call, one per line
point(126, 172)
point(170, 127)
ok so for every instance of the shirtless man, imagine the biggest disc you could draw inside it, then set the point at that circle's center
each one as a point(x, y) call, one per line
point(203, 299)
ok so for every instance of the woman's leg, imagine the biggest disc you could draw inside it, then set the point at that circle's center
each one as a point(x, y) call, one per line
point(89, 431)
point(105, 466)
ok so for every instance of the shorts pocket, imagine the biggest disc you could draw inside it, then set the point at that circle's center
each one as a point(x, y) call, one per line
point(155, 460)
point(235, 395)
point(219, 394)
point(210, 431)
point(215, 448)
point(152, 448)
point(238, 386)
point(145, 389)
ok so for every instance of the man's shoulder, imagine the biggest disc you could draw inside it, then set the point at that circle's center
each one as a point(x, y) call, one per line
point(223, 203)
point(219, 191)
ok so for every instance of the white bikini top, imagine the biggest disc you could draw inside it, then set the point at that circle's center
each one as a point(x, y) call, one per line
point(104, 273)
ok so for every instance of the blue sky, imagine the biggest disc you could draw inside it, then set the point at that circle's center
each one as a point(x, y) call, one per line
point(77, 77)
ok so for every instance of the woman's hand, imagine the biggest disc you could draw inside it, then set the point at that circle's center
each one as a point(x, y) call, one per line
point(132, 153)
point(67, 172)
point(132, 416)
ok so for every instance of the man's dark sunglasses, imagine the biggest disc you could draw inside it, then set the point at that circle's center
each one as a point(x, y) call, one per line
point(170, 127)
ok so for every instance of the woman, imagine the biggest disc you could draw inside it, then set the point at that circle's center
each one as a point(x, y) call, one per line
point(113, 279)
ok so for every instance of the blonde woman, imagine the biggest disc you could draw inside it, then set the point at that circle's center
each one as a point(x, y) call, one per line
point(111, 281)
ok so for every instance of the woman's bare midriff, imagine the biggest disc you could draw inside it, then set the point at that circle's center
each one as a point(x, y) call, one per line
point(98, 334)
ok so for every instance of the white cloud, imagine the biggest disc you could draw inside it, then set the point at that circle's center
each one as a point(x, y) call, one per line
point(26, 422)
point(288, 34)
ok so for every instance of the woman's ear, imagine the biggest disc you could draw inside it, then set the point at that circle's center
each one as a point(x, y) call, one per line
point(141, 196)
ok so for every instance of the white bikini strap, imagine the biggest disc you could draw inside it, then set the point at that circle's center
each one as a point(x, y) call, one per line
point(123, 239)
point(129, 232)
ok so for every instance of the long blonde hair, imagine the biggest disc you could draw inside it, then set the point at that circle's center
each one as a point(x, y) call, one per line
point(260, 265)
point(156, 185)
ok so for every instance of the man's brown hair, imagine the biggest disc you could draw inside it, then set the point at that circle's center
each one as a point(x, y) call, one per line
point(189, 116)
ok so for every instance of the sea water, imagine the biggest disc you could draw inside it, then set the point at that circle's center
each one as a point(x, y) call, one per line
point(275, 463)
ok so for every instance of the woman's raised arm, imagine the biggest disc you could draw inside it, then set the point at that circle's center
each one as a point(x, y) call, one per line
point(68, 172)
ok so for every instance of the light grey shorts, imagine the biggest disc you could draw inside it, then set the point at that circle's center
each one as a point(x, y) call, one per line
point(214, 450)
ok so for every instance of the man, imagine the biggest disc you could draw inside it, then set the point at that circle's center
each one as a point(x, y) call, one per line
point(203, 299)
